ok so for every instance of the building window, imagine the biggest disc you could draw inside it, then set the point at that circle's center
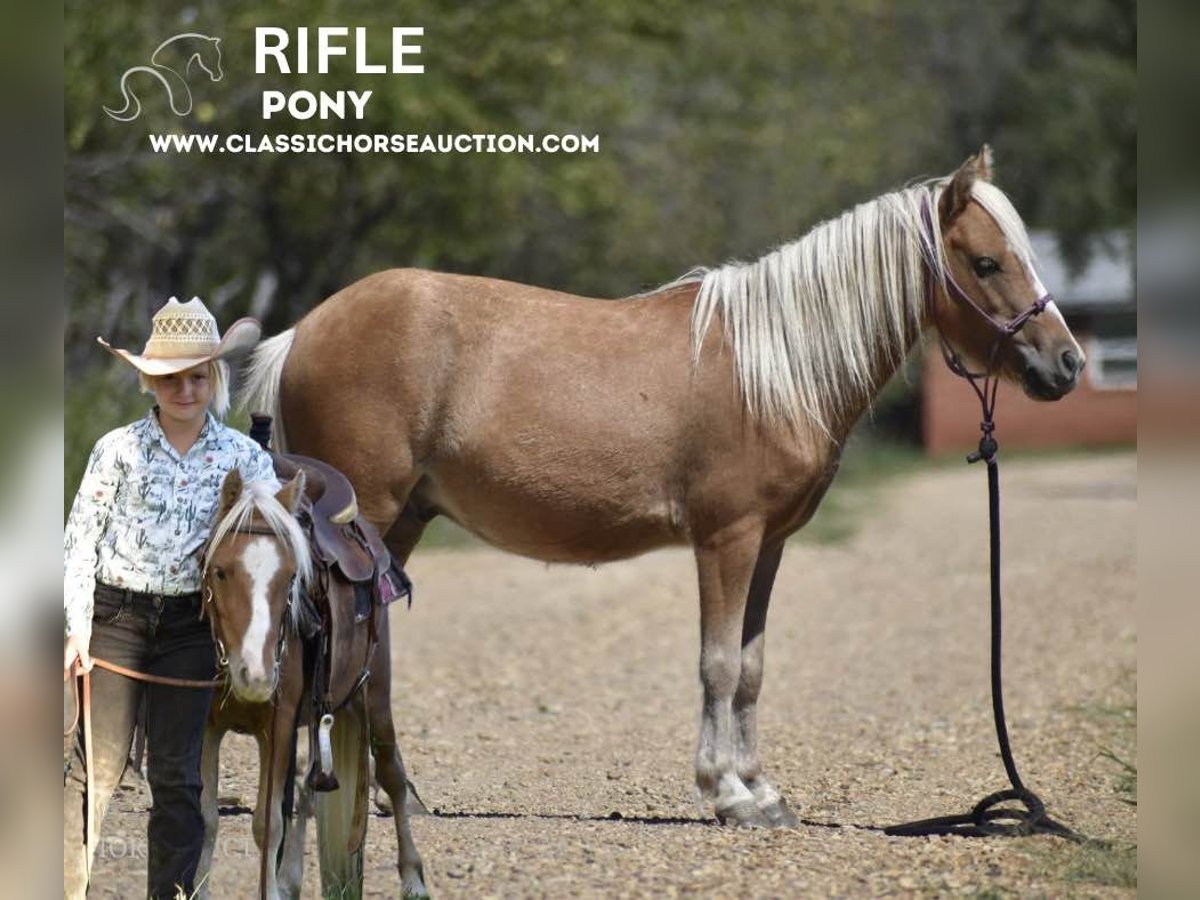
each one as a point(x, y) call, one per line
point(1113, 363)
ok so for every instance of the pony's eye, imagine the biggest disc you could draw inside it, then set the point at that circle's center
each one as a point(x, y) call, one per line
point(218, 573)
point(985, 266)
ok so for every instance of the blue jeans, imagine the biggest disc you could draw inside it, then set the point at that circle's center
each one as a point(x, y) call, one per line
point(159, 635)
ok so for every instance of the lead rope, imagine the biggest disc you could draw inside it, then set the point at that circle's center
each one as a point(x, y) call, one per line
point(265, 857)
point(988, 817)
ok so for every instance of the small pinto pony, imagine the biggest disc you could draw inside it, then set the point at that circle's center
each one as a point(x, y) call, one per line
point(257, 562)
point(710, 412)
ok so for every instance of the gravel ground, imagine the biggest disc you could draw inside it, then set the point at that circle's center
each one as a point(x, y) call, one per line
point(549, 714)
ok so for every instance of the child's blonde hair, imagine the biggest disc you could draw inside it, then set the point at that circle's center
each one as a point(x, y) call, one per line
point(218, 373)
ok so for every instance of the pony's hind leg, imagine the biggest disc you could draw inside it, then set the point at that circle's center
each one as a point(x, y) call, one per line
point(389, 767)
point(745, 701)
point(725, 564)
point(401, 539)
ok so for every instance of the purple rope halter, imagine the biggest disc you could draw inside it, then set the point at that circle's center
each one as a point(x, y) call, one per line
point(984, 383)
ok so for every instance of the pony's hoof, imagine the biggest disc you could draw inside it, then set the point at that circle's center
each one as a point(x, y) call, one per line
point(742, 814)
point(780, 815)
point(412, 882)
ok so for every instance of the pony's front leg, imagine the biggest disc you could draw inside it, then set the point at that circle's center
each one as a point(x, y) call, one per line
point(725, 564)
point(210, 773)
point(274, 754)
point(745, 701)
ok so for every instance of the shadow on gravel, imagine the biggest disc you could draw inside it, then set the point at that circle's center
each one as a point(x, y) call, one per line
point(635, 820)
point(611, 817)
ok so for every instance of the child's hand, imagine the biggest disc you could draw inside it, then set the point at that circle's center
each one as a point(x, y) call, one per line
point(76, 648)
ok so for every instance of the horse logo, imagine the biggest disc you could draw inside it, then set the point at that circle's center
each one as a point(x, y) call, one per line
point(181, 51)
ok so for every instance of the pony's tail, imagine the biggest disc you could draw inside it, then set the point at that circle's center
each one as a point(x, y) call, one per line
point(260, 390)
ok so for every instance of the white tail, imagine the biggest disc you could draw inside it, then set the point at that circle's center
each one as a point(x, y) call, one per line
point(260, 391)
point(341, 815)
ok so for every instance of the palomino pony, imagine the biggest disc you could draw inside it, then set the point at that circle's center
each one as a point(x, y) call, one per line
point(710, 412)
point(257, 561)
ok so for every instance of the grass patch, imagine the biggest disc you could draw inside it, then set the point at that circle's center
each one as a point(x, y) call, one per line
point(443, 534)
point(867, 465)
point(1104, 863)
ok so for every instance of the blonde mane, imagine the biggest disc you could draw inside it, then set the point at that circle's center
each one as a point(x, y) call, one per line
point(259, 497)
point(815, 324)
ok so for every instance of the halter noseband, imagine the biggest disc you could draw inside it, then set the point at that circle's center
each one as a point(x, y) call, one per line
point(1003, 328)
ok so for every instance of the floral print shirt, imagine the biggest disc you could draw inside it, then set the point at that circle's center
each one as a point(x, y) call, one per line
point(144, 511)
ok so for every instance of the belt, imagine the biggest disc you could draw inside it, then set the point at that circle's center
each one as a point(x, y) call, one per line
point(156, 599)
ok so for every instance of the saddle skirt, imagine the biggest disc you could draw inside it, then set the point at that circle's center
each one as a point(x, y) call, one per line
point(344, 544)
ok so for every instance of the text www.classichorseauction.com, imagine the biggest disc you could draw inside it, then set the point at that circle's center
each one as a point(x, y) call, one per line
point(375, 143)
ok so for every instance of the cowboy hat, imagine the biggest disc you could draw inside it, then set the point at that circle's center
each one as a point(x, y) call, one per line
point(184, 335)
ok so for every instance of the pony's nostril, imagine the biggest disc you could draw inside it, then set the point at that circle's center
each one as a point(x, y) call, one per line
point(1071, 362)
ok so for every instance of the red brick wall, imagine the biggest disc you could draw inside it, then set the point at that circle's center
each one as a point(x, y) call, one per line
point(950, 414)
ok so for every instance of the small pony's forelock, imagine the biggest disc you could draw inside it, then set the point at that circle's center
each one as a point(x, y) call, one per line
point(997, 205)
point(259, 496)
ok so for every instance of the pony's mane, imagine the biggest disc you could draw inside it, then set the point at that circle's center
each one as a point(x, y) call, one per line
point(815, 323)
point(259, 497)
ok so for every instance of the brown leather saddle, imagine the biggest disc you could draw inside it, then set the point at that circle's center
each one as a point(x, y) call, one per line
point(339, 537)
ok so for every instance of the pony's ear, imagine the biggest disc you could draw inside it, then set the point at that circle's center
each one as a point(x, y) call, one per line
point(957, 193)
point(985, 170)
point(231, 489)
point(289, 495)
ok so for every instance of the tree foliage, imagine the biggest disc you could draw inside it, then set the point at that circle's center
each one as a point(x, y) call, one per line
point(725, 129)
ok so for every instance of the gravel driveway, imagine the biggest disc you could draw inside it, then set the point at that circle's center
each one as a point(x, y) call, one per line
point(549, 714)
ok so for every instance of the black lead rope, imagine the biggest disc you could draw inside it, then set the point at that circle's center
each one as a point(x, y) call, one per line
point(989, 817)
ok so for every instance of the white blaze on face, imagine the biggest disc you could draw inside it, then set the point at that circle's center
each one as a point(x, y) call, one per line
point(261, 561)
point(1039, 290)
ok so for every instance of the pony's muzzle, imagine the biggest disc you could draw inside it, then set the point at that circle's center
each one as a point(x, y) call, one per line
point(250, 688)
point(1051, 376)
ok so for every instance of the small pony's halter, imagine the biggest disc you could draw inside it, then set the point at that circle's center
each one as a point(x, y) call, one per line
point(987, 816)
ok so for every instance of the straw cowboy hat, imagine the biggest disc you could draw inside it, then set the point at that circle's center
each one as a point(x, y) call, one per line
point(184, 335)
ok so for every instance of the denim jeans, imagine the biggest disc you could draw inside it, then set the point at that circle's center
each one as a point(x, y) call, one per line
point(159, 635)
